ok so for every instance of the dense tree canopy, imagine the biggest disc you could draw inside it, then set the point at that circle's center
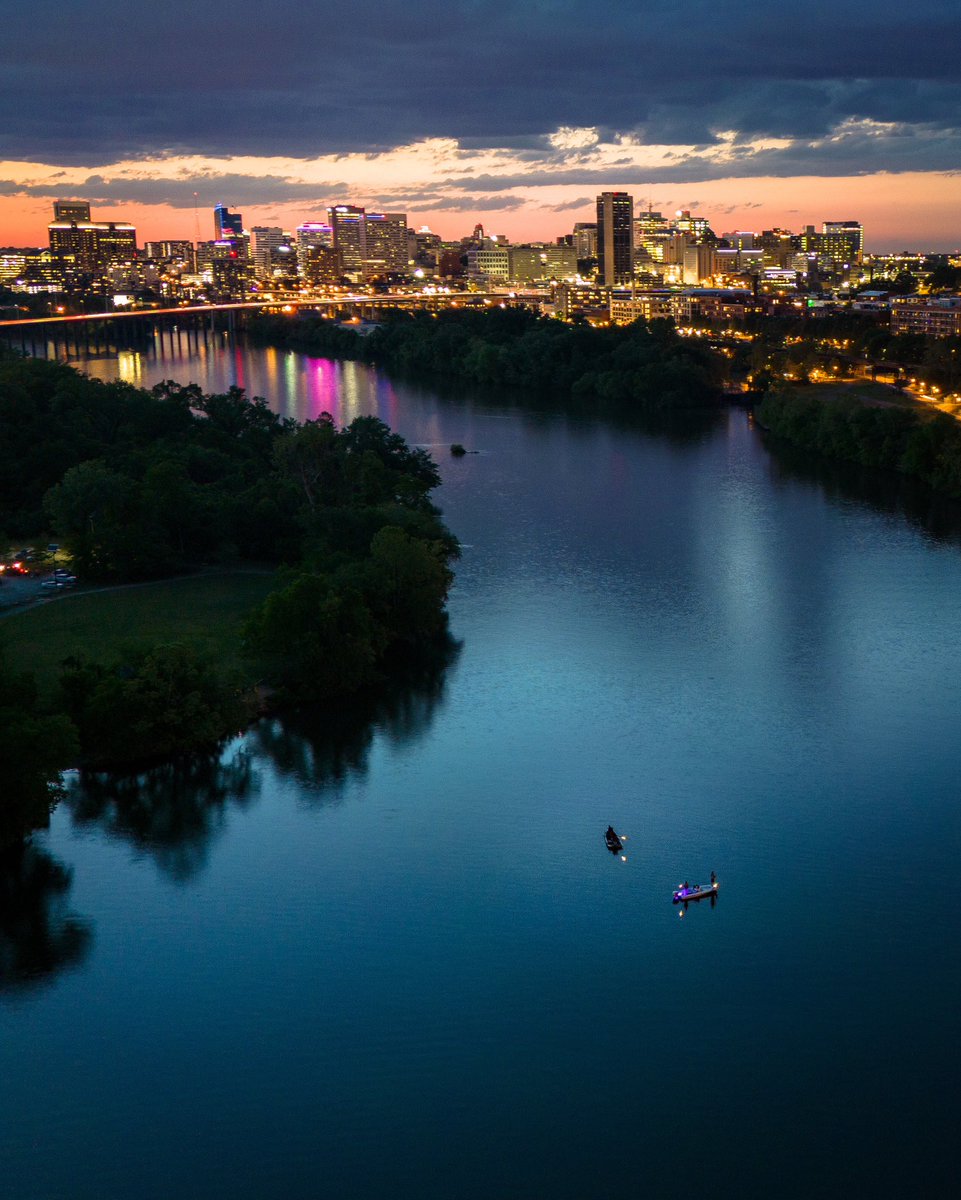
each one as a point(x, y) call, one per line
point(641, 367)
point(914, 443)
point(136, 485)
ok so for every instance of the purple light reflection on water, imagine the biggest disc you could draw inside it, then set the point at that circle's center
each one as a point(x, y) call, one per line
point(322, 388)
point(294, 385)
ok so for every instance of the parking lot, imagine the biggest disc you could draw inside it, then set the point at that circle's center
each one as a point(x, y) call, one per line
point(19, 590)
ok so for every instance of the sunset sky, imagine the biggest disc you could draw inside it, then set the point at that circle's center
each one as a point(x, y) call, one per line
point(512, 114)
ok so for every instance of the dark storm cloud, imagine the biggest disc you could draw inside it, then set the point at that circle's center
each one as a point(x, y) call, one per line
point(180, 193)
point(110, 79)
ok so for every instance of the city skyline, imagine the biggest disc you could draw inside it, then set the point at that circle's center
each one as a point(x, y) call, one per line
point(513, 115)
point(884, 222)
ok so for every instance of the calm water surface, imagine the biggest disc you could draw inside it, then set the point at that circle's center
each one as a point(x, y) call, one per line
point(394, 958)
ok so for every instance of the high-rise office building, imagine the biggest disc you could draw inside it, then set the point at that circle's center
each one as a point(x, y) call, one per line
point(560, 262)
point(615, 242)
point(530, 264)
point(489, 264)
point(93, 245)
point(320, 265)
point(347, 222)
point(385, 240)
point(314, 233)
point(427, 247)
point(227, 224)
point(71, 210)
point(843, 242)
point(697, 227)
point(652, 231)
point(178, 251)
point(777, 246)
point(282, 267)
point(699, 263)
point(585, 239)
point(525, 263)
point(227, 266)
point(267, 238)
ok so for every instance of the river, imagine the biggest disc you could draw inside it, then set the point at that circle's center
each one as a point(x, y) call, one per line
point(392, 957)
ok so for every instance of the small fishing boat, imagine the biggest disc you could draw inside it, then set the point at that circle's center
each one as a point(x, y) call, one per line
point(613, 841)
point(694, 891)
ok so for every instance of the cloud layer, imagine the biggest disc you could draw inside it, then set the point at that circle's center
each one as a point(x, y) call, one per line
point(467, 105)
point(110, 80)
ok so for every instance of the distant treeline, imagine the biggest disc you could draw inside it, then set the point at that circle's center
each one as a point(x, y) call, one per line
point(141, 484)
point(641, 367)
point(894, 437)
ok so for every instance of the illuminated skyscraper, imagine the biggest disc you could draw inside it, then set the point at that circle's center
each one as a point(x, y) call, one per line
point(585, 240)
point(314, 233)
point(843, 241)
point(697, 227)
point(652, 231)
point(385, 237)
point(320, 265)
point(227, 224)
point(267, 238)
point(350, 241)
point(93, 245)
point(228, 268)
point(615, 242)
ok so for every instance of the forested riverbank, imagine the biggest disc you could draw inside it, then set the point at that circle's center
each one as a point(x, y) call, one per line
point(643, 368)
point(139, 485)
point(911, 441)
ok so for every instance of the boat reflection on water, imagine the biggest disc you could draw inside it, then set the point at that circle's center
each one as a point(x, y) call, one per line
point(683, 905)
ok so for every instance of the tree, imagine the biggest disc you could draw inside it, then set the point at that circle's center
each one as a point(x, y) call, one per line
point(35, 747)
point(93, 510)
point(320, 640)
point(167, 701)
point(308, 456)
point(407, 581)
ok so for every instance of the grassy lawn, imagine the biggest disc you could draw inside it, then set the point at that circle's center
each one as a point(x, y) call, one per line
point(207, 611)
point(864, 390)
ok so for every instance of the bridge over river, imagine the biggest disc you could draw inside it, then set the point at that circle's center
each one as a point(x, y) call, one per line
point(92, 333)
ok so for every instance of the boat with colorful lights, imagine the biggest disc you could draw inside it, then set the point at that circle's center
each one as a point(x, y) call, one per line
point(694, 891)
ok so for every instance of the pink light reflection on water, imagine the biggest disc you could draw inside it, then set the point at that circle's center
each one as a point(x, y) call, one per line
point(324, 389)
point(239, 364)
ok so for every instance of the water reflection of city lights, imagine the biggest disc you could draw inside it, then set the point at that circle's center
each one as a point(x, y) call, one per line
point(130, 366)
point(291, 390)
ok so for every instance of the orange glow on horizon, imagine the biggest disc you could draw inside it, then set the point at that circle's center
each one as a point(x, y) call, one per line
point(909, 211)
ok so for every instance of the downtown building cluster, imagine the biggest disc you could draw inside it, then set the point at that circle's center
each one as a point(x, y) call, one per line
point(627, 262)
